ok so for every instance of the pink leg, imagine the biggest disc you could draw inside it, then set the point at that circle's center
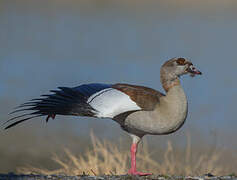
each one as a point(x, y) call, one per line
point(133, 170)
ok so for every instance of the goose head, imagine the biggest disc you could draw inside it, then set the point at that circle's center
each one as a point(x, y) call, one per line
point(177, 67)
point(172, 69)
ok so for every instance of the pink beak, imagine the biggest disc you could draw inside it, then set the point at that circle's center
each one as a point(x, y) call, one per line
point(194, 70)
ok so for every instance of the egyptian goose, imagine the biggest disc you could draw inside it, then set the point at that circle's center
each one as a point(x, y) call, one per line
point(139, 110)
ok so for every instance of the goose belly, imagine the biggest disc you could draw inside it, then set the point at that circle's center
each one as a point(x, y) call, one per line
point(149, 122)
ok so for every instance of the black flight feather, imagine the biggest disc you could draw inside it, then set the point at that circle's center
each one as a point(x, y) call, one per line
point(65, 101)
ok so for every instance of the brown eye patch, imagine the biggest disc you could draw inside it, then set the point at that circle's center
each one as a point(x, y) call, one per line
point(181, 61)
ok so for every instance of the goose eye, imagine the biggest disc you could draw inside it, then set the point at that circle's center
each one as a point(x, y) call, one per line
point(192, 67)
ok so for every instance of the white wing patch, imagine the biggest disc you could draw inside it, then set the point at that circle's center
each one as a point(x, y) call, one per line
point(111, 102)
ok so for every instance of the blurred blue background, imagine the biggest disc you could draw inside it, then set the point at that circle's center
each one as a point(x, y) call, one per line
point(46, 44)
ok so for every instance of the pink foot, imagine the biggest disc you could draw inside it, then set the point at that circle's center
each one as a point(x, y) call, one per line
point(134, 172)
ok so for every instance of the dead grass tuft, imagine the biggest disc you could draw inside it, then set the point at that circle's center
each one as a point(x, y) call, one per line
point(108, 158)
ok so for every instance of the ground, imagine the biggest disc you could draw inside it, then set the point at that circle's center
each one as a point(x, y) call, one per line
point(12, 176)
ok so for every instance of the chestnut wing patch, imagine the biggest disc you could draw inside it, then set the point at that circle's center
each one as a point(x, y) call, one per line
point(146, 98)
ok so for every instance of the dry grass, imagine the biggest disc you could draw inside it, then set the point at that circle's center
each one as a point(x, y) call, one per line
point(108, 158)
